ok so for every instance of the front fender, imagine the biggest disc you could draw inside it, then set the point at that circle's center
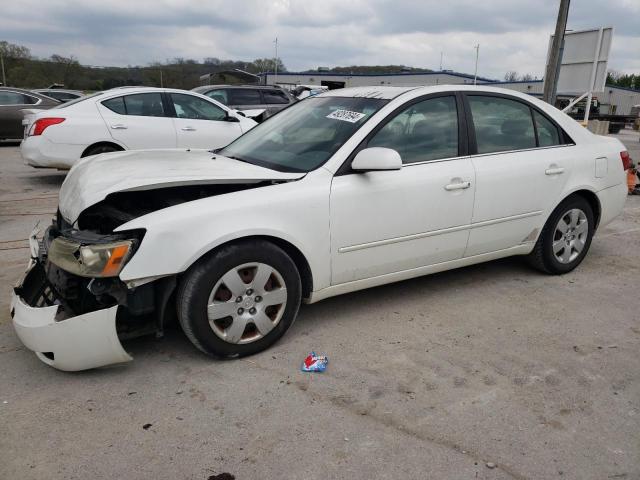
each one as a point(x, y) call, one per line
point(176, 237)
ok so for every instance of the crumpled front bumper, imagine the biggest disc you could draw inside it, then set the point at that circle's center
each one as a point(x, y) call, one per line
point(75, 343)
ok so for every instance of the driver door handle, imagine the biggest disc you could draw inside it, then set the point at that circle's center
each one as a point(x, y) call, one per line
point(119, 126)
point(188, 128)
point(457, 186)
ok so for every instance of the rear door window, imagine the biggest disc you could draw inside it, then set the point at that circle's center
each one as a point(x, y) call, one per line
point(116, 105)
point(548, 134)
point(275, 97)
point(501, 124)
point(244, 96)
point(144, 105)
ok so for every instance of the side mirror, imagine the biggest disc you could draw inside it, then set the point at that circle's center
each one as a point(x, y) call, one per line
point(376, 158)
point(231, 118)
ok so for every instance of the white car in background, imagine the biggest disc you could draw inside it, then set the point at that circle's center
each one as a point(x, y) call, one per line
point(128, 118)
point(346, 190)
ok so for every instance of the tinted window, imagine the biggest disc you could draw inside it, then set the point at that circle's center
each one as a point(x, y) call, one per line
point(274, 97)
point(548, 134)
point(15, 98)
point(144, 105)
point(501, 124)
point(219, 95)
point(188, 106)
point(116, 105)
point(244, 96)
point(426, 130)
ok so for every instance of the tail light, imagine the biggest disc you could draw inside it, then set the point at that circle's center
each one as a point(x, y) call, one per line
point(42, 124)
point(626, 160)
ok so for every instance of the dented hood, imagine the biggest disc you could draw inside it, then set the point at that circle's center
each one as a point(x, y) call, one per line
point(92, 179)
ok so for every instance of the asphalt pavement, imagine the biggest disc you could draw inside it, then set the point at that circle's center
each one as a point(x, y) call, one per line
point(488, 372)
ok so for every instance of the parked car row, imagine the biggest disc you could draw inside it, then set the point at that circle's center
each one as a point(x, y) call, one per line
point(128, 118)
point(346, 190)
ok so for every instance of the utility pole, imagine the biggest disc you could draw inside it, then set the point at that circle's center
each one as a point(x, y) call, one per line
point(555, 56)
point(4, 78)
point(475, 75)
point(275, 76)
point(161, 85)
point(441, 53)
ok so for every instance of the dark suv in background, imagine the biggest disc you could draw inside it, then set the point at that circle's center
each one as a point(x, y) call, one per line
point(249, 97)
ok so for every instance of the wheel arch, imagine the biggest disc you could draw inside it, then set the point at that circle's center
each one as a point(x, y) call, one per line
point(100, 144)
point(593, 200)
point(299, 259)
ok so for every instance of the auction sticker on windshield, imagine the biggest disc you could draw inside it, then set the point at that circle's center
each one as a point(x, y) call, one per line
point(346, 115)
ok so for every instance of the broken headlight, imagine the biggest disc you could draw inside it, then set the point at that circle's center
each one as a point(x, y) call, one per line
point(99, 260)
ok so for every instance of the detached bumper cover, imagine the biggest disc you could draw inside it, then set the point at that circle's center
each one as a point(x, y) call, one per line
point(76, 343)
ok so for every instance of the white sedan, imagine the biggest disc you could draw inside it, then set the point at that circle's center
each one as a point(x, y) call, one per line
point(128, 118)
point(347, 190)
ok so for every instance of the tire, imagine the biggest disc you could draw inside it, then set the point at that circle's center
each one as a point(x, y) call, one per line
point(97, 149)
point(576, 215)
point(203, 299)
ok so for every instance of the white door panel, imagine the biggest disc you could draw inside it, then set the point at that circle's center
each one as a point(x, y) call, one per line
point(514, 193)
point(194, 133)
point(384, 222)
point(139, 132)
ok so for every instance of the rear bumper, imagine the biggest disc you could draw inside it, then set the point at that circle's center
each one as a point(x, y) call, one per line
point(73, 343)
point(41, 152)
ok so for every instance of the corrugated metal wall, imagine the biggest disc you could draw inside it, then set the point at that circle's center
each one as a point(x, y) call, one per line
point(613, 99)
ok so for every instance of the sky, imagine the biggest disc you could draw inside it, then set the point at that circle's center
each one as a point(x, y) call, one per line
point(512, 34)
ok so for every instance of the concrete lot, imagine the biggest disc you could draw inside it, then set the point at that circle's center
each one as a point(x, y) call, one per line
point(428, 378)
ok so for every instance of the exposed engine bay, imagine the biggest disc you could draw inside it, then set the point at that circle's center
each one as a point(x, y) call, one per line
point(121, 207)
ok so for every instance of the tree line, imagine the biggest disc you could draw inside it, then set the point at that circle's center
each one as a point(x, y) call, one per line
point(22, 69)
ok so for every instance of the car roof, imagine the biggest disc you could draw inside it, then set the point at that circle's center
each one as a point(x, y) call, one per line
point(384, 93)
point(64, 90)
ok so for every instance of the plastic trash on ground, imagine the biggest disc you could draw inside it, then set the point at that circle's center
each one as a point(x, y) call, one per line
point(315, 363)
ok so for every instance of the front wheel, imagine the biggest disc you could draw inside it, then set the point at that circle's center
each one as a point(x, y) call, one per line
point(239, 300)
point(565, 238)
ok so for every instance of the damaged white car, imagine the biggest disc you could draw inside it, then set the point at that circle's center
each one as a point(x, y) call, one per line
point(347, 190)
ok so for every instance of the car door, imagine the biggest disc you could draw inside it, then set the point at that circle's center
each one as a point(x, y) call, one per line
point(11, 106)
point(139, 121)
point(522, 161)
point(389, 221)
point(201, 123)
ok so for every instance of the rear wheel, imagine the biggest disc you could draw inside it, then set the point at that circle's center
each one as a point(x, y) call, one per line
point(565, 238)
point(103, 148)
point(239, 300)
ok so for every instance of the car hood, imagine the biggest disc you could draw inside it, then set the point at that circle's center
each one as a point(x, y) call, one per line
point(91, 180)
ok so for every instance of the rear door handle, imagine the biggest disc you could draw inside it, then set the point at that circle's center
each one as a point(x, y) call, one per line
point(554, 170)
point(188, 129)
point(119, 126)
point(457, 186)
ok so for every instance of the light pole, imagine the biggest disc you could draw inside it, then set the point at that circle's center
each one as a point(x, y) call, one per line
point(275, 76)
point(475, 74)
point(555, 56)
point(4, 78)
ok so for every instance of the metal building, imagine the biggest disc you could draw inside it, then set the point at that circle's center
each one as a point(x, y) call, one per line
point(616, 100)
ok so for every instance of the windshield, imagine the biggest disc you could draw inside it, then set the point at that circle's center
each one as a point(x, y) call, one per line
point(305, 135)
